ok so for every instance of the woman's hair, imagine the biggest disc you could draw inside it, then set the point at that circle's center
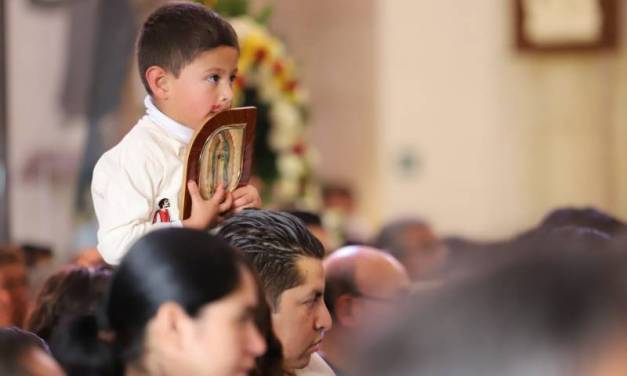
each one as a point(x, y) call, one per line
point(190, 268)
point(69, 293)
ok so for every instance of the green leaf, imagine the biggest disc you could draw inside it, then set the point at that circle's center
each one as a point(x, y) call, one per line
point(231, 8)
point(264, 14)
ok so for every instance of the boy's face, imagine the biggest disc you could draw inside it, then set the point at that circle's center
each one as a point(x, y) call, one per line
point(203, 88)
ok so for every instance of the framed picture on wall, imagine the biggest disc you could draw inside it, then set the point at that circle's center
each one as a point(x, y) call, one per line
point(566, 25)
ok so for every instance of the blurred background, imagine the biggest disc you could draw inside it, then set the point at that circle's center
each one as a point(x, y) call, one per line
point(433, 109)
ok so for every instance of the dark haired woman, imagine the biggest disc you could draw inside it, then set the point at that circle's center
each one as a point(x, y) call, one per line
point(182, 302)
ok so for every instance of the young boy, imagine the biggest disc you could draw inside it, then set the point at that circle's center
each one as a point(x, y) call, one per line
point(187, 59)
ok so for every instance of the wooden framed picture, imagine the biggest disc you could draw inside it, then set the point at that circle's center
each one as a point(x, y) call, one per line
point(221, 152)
point(566, 25)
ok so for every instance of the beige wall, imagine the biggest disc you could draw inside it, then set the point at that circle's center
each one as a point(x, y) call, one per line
point(499, 137)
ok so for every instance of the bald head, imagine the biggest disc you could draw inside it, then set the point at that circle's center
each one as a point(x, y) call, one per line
point(363, 272)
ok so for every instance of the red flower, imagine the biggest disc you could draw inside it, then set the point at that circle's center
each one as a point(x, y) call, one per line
point(291, 86)
point(298, 149)
point(240, 81)
point(277, 67)
point(260, 55)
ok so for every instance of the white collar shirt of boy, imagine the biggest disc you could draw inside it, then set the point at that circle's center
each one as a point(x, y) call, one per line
point(173, 127)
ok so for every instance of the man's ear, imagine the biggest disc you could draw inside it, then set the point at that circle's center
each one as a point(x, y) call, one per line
point(159, 81)
point(172, 326)
point(345, 310)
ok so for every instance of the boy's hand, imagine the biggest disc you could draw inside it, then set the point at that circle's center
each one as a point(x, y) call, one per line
point(246, 197)
point(206, 213)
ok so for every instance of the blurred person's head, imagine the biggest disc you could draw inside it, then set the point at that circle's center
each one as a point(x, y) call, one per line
point(288, 259)
point(337, 196)
point(36, 255)
point(583, 217)
point(313, 222)
point(181, 302)
point(415, 245)
point(24, 354)
point(364, 287)
point(72, 292)
point(552, 308)
point(89, 258)
point(6, 308)
point(13, 270)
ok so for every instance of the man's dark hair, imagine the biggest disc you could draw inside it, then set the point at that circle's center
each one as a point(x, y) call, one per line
point(582, 217)
point(392, 237)
point(308, 218)
point(175, 34)
point(14, 344)
point(273, 242)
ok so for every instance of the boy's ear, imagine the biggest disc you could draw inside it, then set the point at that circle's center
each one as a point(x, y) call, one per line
point(159, 81)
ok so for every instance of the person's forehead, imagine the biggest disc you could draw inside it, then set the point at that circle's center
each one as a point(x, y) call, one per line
point(311, 276)
point(310, 270)
point(219, 57)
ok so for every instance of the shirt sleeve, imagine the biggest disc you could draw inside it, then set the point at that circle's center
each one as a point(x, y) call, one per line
point(124, 188)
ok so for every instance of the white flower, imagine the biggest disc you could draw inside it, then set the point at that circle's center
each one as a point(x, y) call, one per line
point(291, 166)
point(287, 189)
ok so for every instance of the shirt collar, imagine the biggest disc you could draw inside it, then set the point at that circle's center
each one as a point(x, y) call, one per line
point(175, 128)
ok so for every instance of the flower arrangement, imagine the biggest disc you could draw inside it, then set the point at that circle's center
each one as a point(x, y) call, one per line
point(268, 79)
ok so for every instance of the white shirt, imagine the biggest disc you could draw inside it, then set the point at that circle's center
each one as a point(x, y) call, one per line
point(316, 367)
point(132, 178)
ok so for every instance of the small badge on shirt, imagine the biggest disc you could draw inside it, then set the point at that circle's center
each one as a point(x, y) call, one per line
point(162, 215)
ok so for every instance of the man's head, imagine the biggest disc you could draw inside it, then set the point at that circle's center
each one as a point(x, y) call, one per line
point(415, 245)
point(288, 259)
point(24, 354)
point(362, 284)
point(187, 57)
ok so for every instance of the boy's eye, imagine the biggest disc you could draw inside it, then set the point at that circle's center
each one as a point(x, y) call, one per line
point(213, 78)
point(232, 78)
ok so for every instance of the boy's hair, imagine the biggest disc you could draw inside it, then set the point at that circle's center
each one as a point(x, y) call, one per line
point(175, 34)
point(273, 242)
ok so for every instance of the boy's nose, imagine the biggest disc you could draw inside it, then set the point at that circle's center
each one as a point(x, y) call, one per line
point(227, 93)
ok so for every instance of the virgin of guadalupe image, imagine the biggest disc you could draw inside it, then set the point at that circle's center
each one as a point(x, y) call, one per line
point(220, 161)
point(220, 154)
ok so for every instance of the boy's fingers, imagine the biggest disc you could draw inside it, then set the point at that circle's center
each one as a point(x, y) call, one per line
point(242, 201)
point(194, 192)
point(240, 208)
point(240, 192)
point(226, 205)
point(219, 194)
